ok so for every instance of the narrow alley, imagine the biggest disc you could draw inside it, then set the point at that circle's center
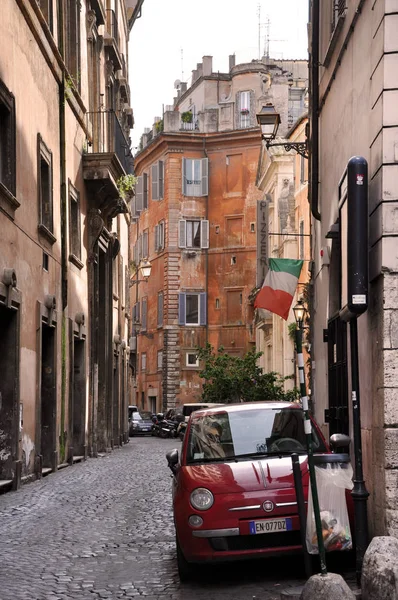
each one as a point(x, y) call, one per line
point(104, 529)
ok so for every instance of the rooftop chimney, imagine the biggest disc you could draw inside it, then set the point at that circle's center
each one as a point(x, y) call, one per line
point(231, 61)
point(207, 65)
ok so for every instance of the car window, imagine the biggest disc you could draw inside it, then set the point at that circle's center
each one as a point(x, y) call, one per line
point(146, 415)
point(252, 431)
point(188, 410)
point(137, 416)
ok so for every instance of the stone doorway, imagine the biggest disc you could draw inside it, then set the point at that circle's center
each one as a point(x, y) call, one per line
point(116, 400)
point(48, 398)
point(79, 399)
point(9, 410)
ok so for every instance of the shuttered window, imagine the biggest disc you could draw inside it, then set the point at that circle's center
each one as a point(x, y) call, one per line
point(192, 308)
point(136, 313)
point(145, 244)
point(157, 180)
point(193, 234)
point(145, 191)
point(244, 109)
point(195, 179)
point(159, 236)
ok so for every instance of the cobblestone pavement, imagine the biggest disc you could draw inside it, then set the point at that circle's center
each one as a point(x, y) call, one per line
point(103, 529)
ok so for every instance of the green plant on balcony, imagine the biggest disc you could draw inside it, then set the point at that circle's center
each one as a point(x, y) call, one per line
point(159, 126)
point(126, 185)
point(187, 116)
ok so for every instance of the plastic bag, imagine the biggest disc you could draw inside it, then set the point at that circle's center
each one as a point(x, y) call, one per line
point(332, 482)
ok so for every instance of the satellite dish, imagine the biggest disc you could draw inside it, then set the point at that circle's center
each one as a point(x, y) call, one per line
point(177, 84)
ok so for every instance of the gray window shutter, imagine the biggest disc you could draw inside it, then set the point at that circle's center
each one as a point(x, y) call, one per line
point(205, 177)
point(155, 183)
point(145, 190)
point(204, 234)
point(161, 235)
point(144, 313)
point(161, 179)
point(203, 307)
point(160, 309)
point(135, 254)
point(181, 309)
point(145, 248)
point(139, 249)
point(138, 313)
point(182, 234)
point(157, 245)
point(184, 176)
point(139, 194)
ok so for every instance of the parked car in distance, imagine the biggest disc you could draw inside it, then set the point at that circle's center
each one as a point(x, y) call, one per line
point(233, 487)
point(140, 424)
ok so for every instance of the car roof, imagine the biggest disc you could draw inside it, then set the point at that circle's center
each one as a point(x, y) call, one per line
point(209, 404)
point(270, 405)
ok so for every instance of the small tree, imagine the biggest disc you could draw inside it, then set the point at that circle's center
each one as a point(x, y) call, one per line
point(239, 378)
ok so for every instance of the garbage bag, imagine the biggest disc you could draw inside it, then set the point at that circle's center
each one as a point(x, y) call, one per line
point(332, 483)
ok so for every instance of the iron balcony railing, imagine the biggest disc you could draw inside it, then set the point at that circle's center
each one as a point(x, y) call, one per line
point(338, 11)
point(108, 136)
point(112, 27)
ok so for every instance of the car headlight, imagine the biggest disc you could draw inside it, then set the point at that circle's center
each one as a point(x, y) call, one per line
point(202, 499)
point(135, 425)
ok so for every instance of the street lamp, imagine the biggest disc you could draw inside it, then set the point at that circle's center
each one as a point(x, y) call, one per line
point(269, 121)
point(144, 268)
point(299, 314)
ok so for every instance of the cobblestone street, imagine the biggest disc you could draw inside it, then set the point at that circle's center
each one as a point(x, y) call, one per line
point(103, 529)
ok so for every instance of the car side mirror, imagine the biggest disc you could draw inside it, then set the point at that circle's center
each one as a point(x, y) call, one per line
point(339, 440)
point(172, 459)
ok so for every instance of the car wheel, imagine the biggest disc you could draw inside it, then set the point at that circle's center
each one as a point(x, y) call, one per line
point(185, 569)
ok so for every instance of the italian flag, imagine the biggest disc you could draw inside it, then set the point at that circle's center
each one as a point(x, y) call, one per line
point(279, 286)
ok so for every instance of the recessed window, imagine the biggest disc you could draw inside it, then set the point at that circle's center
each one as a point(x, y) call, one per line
point(217, 229)
point(233, 260)
point(7, 145)
point(45, 261)
point(192, 308)
point(192, 359)
point(73, 42)
point(195, 176)
point(252, 227)
point(160, 309)
point(159, 236)
point(193, 234)
point(244, 110)
point(45, 189)
point(217, 303)
point(143, 361)
point(160, 360)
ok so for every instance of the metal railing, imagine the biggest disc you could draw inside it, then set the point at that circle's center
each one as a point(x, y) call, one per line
point(192, 126)
point(108, 136)
point(338, 10)
point(112, 27)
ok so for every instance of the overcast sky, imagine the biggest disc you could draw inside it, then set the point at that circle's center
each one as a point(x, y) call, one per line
point(171, 37)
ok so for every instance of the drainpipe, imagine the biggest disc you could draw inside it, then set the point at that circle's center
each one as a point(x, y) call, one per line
point(207, 250)
point(314, 109)
point(64, 263)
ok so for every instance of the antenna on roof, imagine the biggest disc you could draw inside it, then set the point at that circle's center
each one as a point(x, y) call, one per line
point(182, 64)
point(259, 30)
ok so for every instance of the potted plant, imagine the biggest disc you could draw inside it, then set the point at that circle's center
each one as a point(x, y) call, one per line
point(126, 185)
point(187, 116)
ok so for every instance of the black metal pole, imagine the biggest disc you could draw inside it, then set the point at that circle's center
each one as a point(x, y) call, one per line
point(298, 484)
point(359, 492)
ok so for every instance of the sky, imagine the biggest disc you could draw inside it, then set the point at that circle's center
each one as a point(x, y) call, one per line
point(171, 37)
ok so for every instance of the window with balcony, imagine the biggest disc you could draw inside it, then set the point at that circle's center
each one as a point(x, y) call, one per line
point(157, 180)
point(195, 180)
point(192, 308)
point(244, 104)
point(7, 147)
point(193, 234)
point(75, 250)
point(45, 189)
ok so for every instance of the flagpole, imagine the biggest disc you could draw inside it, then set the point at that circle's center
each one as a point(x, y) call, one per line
point(310, 448)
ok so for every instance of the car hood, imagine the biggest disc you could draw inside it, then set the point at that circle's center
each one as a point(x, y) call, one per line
point(244, 475)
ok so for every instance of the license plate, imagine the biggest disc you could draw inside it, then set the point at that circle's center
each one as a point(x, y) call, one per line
point(270, 526)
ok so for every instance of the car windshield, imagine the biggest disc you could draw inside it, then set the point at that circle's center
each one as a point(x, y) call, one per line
point(246, 433)
point(147, 416)
point(137, 416)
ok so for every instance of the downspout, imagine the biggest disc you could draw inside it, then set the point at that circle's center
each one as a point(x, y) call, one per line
point(207, 250)
point(314, 110)
point(64, 263)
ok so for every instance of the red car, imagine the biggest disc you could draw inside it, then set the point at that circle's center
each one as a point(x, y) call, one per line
point(233, 488)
